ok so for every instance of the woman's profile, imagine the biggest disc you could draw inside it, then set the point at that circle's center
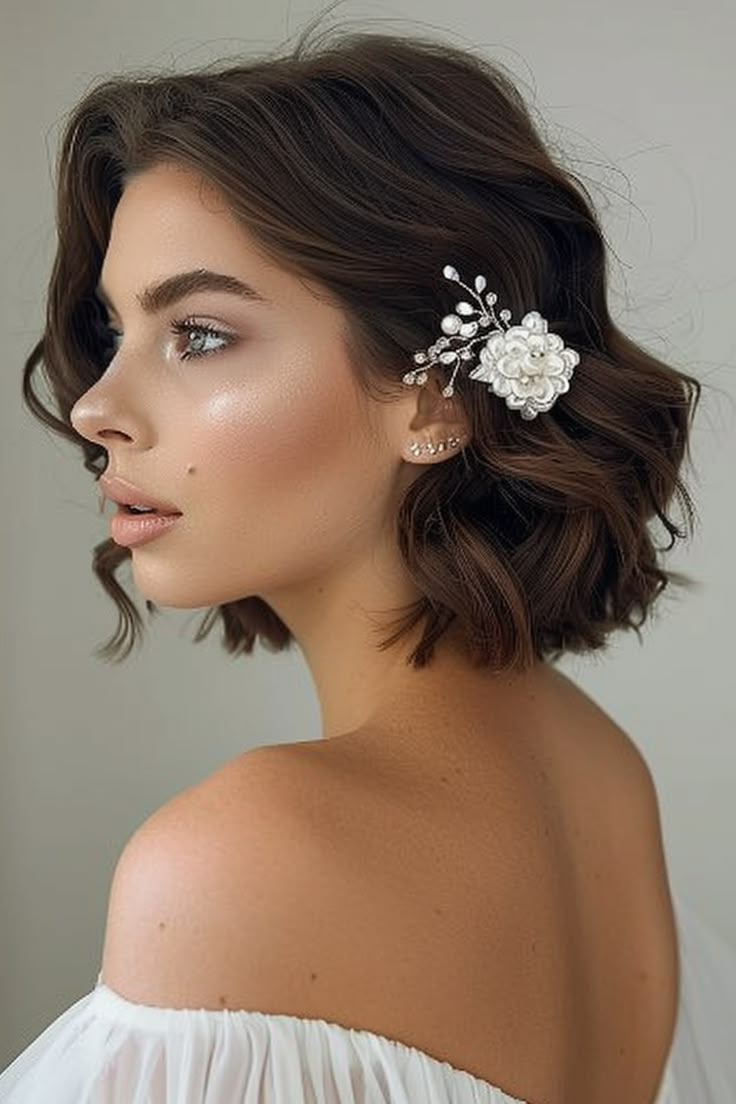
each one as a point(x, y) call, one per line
point(330, 329)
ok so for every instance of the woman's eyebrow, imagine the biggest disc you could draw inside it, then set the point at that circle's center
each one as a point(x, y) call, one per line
point(156, 297)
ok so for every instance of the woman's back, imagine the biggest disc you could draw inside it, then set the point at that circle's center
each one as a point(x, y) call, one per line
point(496, 892)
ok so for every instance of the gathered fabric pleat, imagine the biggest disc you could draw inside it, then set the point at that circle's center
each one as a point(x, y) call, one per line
point(104, 1049)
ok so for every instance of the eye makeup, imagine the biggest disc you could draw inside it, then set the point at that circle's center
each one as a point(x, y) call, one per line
point(190, 327)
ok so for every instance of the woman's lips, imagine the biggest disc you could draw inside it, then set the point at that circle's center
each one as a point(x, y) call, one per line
point(121, 491)
point(131, 530)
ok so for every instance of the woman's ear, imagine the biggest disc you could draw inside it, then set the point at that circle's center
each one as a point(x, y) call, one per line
point(433, 426)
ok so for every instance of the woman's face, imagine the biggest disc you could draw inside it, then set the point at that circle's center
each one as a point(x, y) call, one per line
point(284, 472)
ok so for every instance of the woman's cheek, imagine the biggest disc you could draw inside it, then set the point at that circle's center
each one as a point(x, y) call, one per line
point(312, 419)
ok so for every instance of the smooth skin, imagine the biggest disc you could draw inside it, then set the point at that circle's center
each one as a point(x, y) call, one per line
point(469, 864)
point(288, 477)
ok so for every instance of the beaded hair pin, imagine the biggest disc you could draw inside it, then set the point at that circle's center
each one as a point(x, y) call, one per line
point(523, 364)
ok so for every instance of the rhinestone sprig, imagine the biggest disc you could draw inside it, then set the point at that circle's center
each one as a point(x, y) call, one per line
point(453, 326)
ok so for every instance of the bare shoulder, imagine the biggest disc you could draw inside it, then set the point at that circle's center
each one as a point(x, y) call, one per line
point(321, 880)
point(210, 899)
point(614, 760)
point(243, 786)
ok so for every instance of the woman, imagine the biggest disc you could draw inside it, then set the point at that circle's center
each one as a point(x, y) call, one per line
point(336, 323)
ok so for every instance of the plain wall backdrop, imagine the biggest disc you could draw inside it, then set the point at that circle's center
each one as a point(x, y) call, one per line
point(641, 98)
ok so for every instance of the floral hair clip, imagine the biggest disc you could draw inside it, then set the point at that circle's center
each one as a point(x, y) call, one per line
point(524, 364)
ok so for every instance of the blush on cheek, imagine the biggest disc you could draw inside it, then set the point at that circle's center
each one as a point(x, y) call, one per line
point(275, 457)
point(310, 416)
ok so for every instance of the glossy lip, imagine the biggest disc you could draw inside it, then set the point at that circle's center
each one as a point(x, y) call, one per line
point(130, 531)
point(127, 494)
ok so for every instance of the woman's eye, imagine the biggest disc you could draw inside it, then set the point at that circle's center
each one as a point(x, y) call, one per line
point(199, 335)
point(203, 340)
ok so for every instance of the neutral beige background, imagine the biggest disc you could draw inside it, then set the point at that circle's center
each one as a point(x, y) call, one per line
point(642, 97)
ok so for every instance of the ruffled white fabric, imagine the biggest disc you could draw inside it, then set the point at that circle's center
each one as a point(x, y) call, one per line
point(702, 1062)
point(105, 1049)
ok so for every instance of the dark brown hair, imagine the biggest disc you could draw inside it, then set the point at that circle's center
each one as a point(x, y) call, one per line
point(367, 164)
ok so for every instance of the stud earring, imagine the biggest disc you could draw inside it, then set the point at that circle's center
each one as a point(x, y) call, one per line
point(416, 449)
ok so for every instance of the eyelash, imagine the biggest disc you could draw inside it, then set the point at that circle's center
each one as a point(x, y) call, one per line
point(185, 326)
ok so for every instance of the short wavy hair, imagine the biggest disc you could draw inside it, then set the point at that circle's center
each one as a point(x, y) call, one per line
point(379, 159)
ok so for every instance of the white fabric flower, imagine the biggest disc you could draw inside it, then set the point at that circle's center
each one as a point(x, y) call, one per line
point(526, 365)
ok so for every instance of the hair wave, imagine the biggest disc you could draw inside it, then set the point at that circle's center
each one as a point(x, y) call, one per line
point(380, 158)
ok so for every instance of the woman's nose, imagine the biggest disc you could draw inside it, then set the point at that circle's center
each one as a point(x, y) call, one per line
point(94, 417)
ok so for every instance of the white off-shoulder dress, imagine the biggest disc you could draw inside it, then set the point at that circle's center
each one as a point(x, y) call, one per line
point(105, 1049)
